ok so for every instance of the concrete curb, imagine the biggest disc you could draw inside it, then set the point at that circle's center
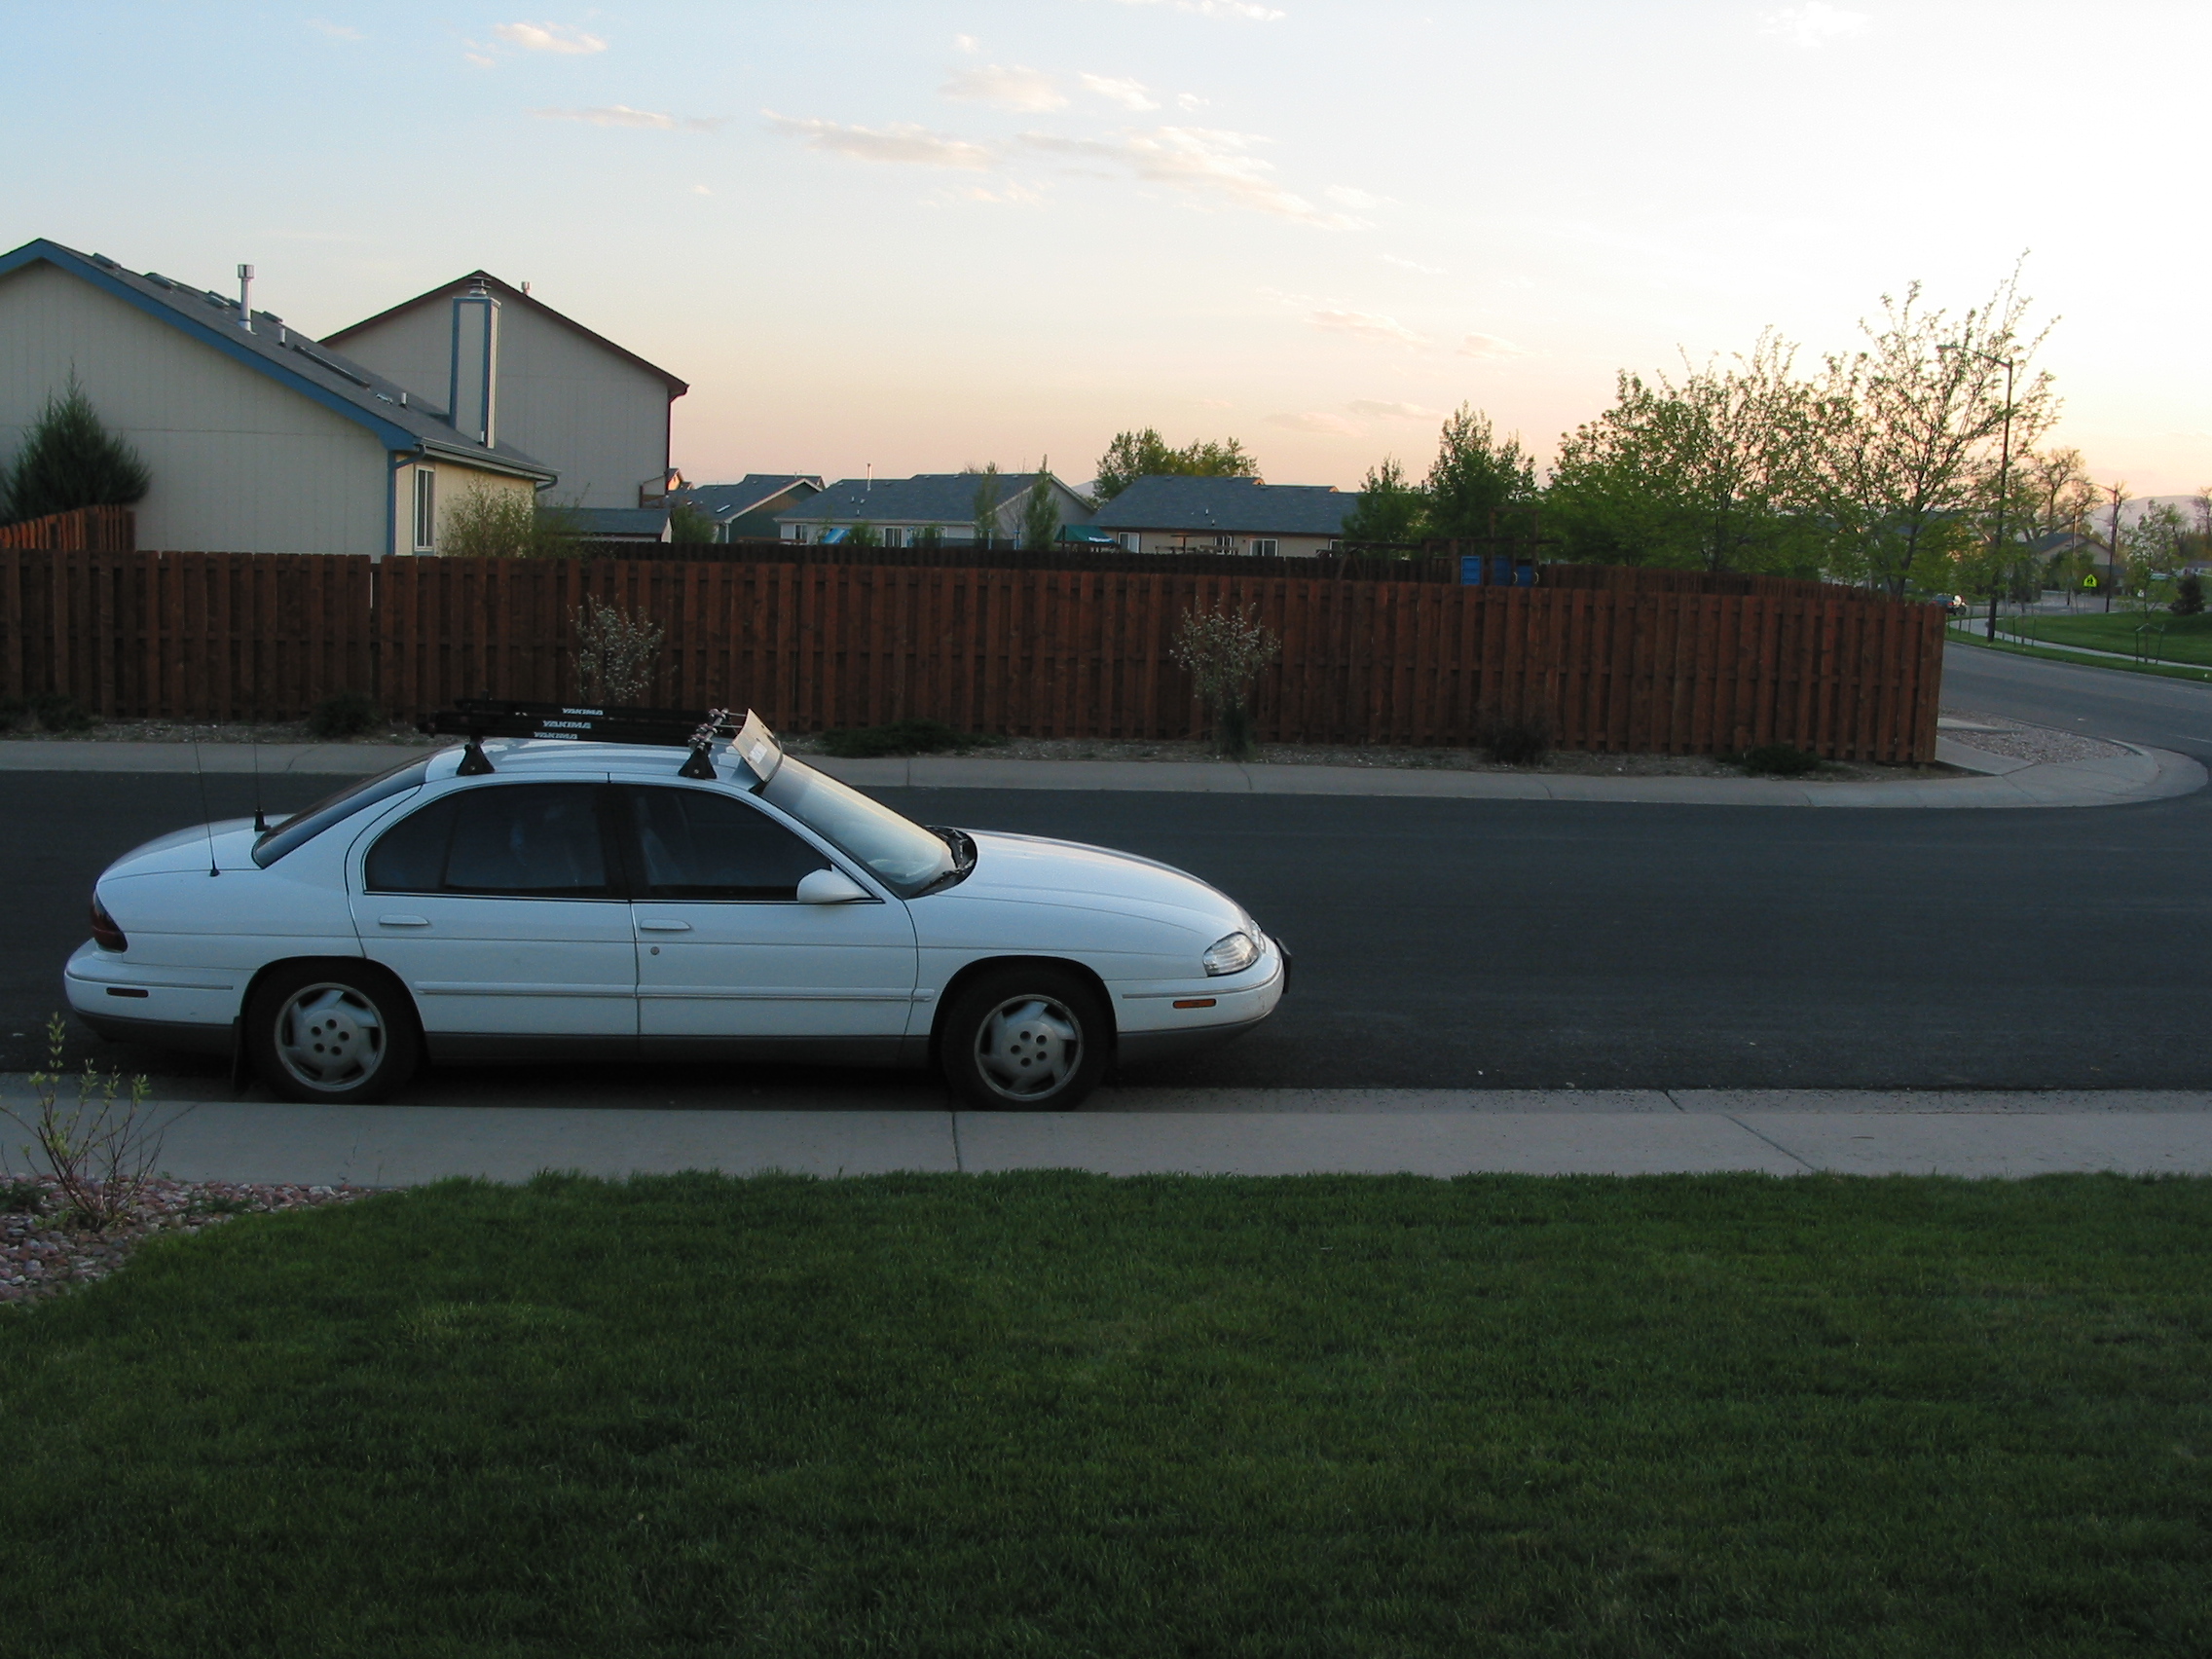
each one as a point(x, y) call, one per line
point(2143, 774)
point(404, 1145)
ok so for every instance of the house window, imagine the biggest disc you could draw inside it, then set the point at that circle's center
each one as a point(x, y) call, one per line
point(893, 539)
point(795, 531)
point(1264, 546)
point(1132, 541)
point(426, 511)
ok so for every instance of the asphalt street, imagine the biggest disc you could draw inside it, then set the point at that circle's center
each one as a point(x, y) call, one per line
point(1529, 943)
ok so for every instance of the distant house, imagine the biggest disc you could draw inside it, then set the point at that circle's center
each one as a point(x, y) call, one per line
point(259, 438)
point(900, 510)
point(746, 511)
point(593, 411)
point(1227, 515)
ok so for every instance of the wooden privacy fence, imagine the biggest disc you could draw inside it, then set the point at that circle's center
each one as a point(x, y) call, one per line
point(1045, 654)
point(85, 530)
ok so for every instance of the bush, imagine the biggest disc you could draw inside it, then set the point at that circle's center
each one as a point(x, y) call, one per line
point(2189, 595)
point(344, 714)
point(901, 737)
point(50, 710)
point(616, 654)
point(1778, 760)
point(1516, 740)
point(70, 460)
point(1224, 651)
point(506, 523)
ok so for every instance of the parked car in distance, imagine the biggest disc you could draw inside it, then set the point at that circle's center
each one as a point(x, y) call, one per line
point(532, 900)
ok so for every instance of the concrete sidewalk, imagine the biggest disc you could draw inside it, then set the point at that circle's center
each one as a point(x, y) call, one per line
point(1437, 1134)
point(2141, 774)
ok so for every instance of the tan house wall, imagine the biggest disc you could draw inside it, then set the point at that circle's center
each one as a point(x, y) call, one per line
point(600, 422)
point(1287, 546)
point(240, 464)
point(453, 483)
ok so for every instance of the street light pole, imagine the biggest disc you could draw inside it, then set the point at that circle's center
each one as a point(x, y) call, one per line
point(2113, 570)
point(2003, 472)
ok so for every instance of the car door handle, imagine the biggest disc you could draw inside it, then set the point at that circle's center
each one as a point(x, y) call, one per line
point(403, 921)
point(664, 927)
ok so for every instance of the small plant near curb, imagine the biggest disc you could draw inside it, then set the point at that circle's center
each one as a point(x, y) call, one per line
point(901, 737)
point(49, 710)
point(100, 1151)
point(1777, 761)
point(1516, 740)
point(1223, 652)
point(344, 714)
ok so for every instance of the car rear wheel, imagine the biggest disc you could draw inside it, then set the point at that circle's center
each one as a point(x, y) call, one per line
point(1026, 1039)
point(331, 1032)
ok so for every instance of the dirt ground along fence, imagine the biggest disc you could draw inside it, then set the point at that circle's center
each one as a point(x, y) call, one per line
point(1619, 666)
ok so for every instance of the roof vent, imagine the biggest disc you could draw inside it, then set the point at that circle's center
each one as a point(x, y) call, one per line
point(245, 298)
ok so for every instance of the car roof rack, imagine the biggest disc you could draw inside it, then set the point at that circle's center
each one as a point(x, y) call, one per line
point(479, 718)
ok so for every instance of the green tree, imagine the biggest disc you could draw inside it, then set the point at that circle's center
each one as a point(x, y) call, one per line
point(1040, 514)
point(1709, 473)
point(986, 505)
point(1390, 511)
point(506, 523)
point(1911, 422)
point(70, 460)
point(1479, 484)
point(689, 524)
point(1132, 455)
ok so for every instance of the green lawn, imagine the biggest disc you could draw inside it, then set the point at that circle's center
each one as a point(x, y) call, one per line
point(1061, 1415)
point(2052, 653)
point(2188, 638)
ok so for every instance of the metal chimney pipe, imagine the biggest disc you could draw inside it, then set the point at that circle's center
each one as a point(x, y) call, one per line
point(245, 297)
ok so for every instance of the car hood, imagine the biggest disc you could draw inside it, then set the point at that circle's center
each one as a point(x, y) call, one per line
point(1030, 869)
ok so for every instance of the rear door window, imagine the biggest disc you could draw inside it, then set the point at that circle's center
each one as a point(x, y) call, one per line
point(698, 844)
point(504, 842)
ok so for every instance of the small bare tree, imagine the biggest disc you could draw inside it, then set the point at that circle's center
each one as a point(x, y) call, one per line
point(617, 654)
point(102, 1149)
point(1224, 651)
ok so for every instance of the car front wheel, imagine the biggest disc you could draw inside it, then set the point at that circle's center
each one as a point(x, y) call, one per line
point(331, 1032)
point(1025, 1038)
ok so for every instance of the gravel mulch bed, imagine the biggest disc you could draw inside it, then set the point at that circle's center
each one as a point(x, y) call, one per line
point(210, 731)
point(1560, 762)
point(2018, 741)
point(41, 1257)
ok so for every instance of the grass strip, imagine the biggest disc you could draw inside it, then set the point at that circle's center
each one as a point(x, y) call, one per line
point(2055, 653)
point(1056, 1414)
point(2184, 639)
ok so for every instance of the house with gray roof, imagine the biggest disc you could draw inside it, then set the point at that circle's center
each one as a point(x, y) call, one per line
point(595, 411)
point(901, 509)
point(259, 438)
point(1227, 515)
point(746, 511)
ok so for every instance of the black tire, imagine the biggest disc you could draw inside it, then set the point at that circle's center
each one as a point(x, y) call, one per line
point(339, 1033)
point(1023, 1038)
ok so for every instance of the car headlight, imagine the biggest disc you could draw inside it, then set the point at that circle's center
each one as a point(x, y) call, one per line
point(1232, 954)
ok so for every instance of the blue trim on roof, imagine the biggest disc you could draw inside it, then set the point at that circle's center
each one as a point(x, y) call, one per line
point(390, 434)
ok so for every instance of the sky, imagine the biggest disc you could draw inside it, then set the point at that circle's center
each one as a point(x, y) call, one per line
point(922, 236)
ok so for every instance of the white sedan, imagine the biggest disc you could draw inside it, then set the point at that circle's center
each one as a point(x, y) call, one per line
point(537, 901)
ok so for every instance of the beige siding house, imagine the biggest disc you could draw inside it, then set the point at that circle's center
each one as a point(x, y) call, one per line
point(259, 439)
point(1227, 515)
point(597, 414)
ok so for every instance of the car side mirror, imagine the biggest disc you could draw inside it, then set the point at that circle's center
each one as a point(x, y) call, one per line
point(829, 887)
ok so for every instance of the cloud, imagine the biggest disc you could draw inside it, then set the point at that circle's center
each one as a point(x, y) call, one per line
point(1366, 325)
point(967, 43)
point(1489, 346)
point(563, 38)
point(1016, 88)
point(701, 190)
point(1814, 24)
point(901, 141)
point(482, 60)
point(1240, 10)
point(1211, 165)
point(1189, 100)
point(1413, 265)
point(336, 31)
point(622, 115)
point(1344, 195)
point(1333, 425)
point(1382, 411)
point(1130, 95)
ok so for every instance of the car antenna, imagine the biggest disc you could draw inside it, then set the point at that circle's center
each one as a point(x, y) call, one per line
point(260, 820)
point(199, 772)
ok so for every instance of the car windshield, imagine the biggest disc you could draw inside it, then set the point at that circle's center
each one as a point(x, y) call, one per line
point(897, 851)
point(304, 827)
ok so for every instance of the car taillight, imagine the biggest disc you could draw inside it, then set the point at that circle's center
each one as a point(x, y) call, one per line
point(105, 934)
